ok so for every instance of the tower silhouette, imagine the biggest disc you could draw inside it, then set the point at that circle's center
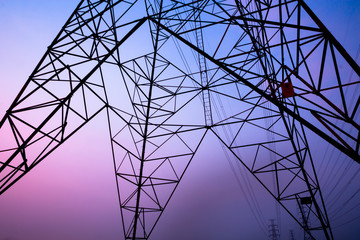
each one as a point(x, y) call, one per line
point(273, 230)
point(163, 72)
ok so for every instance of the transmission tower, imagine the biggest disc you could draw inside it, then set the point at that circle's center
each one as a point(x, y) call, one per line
point(292, 237)
point(274, 233)
point(162, 69)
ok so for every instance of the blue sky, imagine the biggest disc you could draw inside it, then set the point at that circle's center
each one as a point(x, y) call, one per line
point(72, 194)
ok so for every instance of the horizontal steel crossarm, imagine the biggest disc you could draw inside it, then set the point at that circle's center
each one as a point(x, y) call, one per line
point(64, 100)
point(333, 40)
point(57, 39)
point(349, 152)
point(6, 185)
point(319, 33)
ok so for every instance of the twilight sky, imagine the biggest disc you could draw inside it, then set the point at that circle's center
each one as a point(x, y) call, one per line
point(72, 194)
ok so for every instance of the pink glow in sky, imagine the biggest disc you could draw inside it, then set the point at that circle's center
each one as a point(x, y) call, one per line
point(72, 194)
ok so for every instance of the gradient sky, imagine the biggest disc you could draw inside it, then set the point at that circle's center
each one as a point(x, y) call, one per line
point(72, 194)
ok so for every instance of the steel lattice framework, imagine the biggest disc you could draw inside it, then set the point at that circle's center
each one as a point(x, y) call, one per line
point(162, 70)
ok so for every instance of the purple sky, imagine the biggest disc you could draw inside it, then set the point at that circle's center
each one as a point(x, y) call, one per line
point(72, 194)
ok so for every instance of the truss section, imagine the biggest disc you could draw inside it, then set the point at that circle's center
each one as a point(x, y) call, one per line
point(257, 74)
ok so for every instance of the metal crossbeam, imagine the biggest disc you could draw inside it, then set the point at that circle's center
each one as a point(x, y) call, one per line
point(162, 98)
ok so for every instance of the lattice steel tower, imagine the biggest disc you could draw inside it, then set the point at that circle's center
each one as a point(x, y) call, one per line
point(162, 70)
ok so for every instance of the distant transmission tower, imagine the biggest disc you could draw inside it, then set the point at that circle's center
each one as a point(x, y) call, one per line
point(274, 233)
point(158, 68)
point(292, 236)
